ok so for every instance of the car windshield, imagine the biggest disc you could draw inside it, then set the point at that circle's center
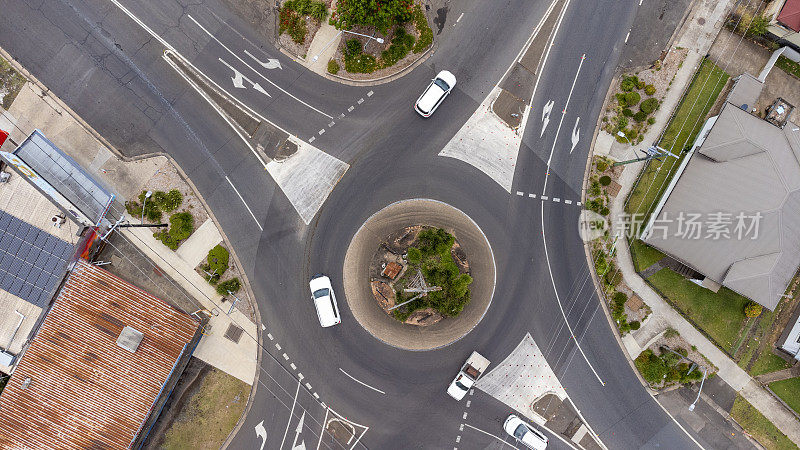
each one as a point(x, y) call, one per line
point(461, 386)
point(520, 432)
point(319, 293)
point(439, 82)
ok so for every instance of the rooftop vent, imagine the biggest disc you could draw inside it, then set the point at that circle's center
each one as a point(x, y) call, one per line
point(129, 339)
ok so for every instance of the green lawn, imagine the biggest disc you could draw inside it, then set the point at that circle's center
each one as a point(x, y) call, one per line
point(680, 133)
point(764, 431)
point(788, 391)
point(766, 361)
point(10, 81)
point(643, 255)
point(788, 66)
point(720, 315)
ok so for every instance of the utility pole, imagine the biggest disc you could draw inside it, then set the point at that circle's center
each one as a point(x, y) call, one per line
point(653, 152)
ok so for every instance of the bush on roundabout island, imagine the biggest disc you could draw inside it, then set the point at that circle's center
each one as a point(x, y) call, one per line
point(433, 257)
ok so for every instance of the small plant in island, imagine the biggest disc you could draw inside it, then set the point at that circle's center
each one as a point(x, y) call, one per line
point(158, 203)
point(402, 43)
point(181, 226)
point(233, 285)
point(433, 257)
point(333, 67)
point(355, 60)
point(381, 15)
point(216, 264)
point(666, 368)
point(619, 115)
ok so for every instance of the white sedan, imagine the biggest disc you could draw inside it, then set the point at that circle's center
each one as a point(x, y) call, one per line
point(439, 88)
point(524, 433)
point(324, 301)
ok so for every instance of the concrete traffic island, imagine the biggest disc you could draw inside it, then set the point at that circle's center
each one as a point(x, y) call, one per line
point(360, 262)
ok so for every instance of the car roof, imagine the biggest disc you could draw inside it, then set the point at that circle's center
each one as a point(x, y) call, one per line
point(430, 98)
point(327, 316)
point(448, 78)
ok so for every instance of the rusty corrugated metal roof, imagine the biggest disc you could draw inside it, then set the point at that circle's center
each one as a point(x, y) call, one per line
point(790, 15)
point(85, 391)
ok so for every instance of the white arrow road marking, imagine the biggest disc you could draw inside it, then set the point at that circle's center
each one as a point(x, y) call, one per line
point(546, 115)
point(262, 433)
point(238, 79)
point(576, 132)
point(270, 64)
point(297, 432)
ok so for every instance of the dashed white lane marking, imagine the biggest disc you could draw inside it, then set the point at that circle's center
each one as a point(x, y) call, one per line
point(465, 415)
point(278, 346)
point(459, 17)
point(322, 131)
point(519, 193)
point(360, 101)
point(578, 203)
point(544, 197)
point(316, 396)
point(556, 199)
point(312, 139)
point(629, 32)
point(569, 202)
point(293, 366)
point(532, 195)
point(351, 108)
point(458, 439)
point(245, 203)
point(468, 403)
point(331, 124)
point(300, 376)
point(308, 385)
point(285, 357)
point(263, 328)
point(369, 94)
point(341, 115)
point(361, 382)
point(269, 335)
point(461, 427)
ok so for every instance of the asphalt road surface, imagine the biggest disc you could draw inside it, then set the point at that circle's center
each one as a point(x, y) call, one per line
point(108, 65)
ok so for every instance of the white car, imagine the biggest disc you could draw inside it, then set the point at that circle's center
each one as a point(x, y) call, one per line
point(324, 301)
point(439, 88)
point(524, 433)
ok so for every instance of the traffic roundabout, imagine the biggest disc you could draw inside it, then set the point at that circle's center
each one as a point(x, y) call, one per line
point(413, 215)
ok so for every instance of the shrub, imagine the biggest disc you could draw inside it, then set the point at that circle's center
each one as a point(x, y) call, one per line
point(402, 43)
point(649, 105)
point(333, 66)
point(352, 47)
point(635, 325)
point(602, 165)
point(640, 116)
point(629, 83)
point(380, 15)
point(631, 134)
point(671, 333)
point(651, 120)
point(605, 180)
point(758, 26)
point(622, 122)
point(292, 24)
point(604, 212)
point(216, 263)
point(361, 63)
point(181, 226)
point(627, 112)
point(424, 30)
point(752, 309)
point(640, 84)
point(594, 189)
point(318, 11)
point(168, 201)
point(632, 98)
point(652, 368)
point(299, 6)
point(621, 99)
point(232, 285)
point(414, 255)
point(649, 89)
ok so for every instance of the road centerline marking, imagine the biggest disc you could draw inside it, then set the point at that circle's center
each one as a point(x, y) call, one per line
point(361, 382)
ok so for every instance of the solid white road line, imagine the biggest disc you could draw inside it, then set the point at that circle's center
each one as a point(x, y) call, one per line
point(490, 434)
point(291, 414)
point(361, 382)
point(245, 204)
point(253, 69)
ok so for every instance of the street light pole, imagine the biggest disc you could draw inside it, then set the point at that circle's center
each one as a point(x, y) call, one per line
point(144, 203)
point(691, 407)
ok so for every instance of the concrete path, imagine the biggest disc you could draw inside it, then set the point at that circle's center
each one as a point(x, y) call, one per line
point(195, 249)
point(780, 375)
point(323, 47)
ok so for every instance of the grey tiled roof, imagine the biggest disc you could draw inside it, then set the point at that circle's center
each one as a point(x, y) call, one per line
point(745, 165)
